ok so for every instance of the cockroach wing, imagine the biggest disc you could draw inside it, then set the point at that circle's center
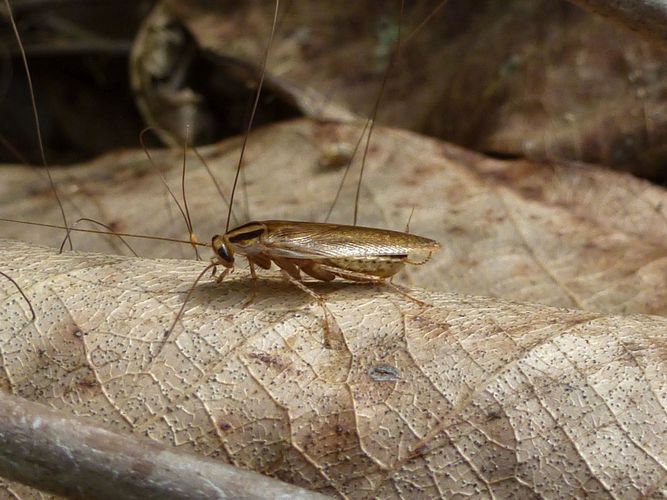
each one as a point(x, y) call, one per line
point(313, 240)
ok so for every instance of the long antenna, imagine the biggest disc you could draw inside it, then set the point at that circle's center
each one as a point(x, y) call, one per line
point(253, 112)
point(179, 315)
point(32, 311)
point(185, 212)
point(105, 226)
point(376, 107)
point(38, 128)
point(109, 233)
point(188, 219)
point(407, 39)
point(186, 215)
point(347, 171)
point(426, 20)
point(215, 181)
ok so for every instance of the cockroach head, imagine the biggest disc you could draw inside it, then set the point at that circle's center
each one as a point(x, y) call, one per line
point(223, 250)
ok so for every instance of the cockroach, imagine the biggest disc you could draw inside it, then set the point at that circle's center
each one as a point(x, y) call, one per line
point(322, 251)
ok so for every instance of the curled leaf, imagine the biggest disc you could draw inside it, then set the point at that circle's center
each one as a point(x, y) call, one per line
point(466, 394)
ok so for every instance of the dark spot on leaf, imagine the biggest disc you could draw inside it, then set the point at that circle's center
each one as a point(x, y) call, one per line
point(493, 415)
point(267, 359)
point(421, 450)
point(87, 383)
point(384, 373)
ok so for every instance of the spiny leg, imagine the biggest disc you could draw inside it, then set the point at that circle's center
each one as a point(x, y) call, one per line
point(320, 300)
point(399, 289)
point(369, 278)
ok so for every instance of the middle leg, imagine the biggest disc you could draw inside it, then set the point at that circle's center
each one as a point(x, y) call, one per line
point(328, 316)
point(253, 286)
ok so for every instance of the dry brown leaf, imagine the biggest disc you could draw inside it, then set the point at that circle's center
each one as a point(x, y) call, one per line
point(645, 17)
point(469, 395)
point(563, 235)
point(544, 79)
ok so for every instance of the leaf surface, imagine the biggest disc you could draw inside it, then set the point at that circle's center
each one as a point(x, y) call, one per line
point(467, 395)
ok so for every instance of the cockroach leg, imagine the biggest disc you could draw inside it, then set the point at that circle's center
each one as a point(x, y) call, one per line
point(399, 289)
point(253, 286)
point(353, 275)
point(369, 278)
point(320, 300)
point(288, 267)
point(222, 275)
point(253, 273)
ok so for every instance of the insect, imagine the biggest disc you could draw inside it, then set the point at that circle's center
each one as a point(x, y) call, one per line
point(320, 250)
point(323, 251)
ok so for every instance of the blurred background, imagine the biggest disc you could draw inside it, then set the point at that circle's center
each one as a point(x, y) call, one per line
point(542, 79)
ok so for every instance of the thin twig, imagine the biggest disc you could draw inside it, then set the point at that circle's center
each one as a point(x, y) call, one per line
point(56, 452)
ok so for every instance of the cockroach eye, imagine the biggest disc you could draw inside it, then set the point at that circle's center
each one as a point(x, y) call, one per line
point(222, 252)
point(220, 248)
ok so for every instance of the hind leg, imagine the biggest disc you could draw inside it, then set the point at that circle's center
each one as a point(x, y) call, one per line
point(369, 278)
point(399, 289)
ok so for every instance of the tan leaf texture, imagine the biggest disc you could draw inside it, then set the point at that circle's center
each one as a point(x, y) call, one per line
point(559, 234)
point(467, 395)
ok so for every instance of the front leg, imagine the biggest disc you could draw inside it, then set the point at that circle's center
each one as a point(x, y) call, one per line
point(221, 276)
